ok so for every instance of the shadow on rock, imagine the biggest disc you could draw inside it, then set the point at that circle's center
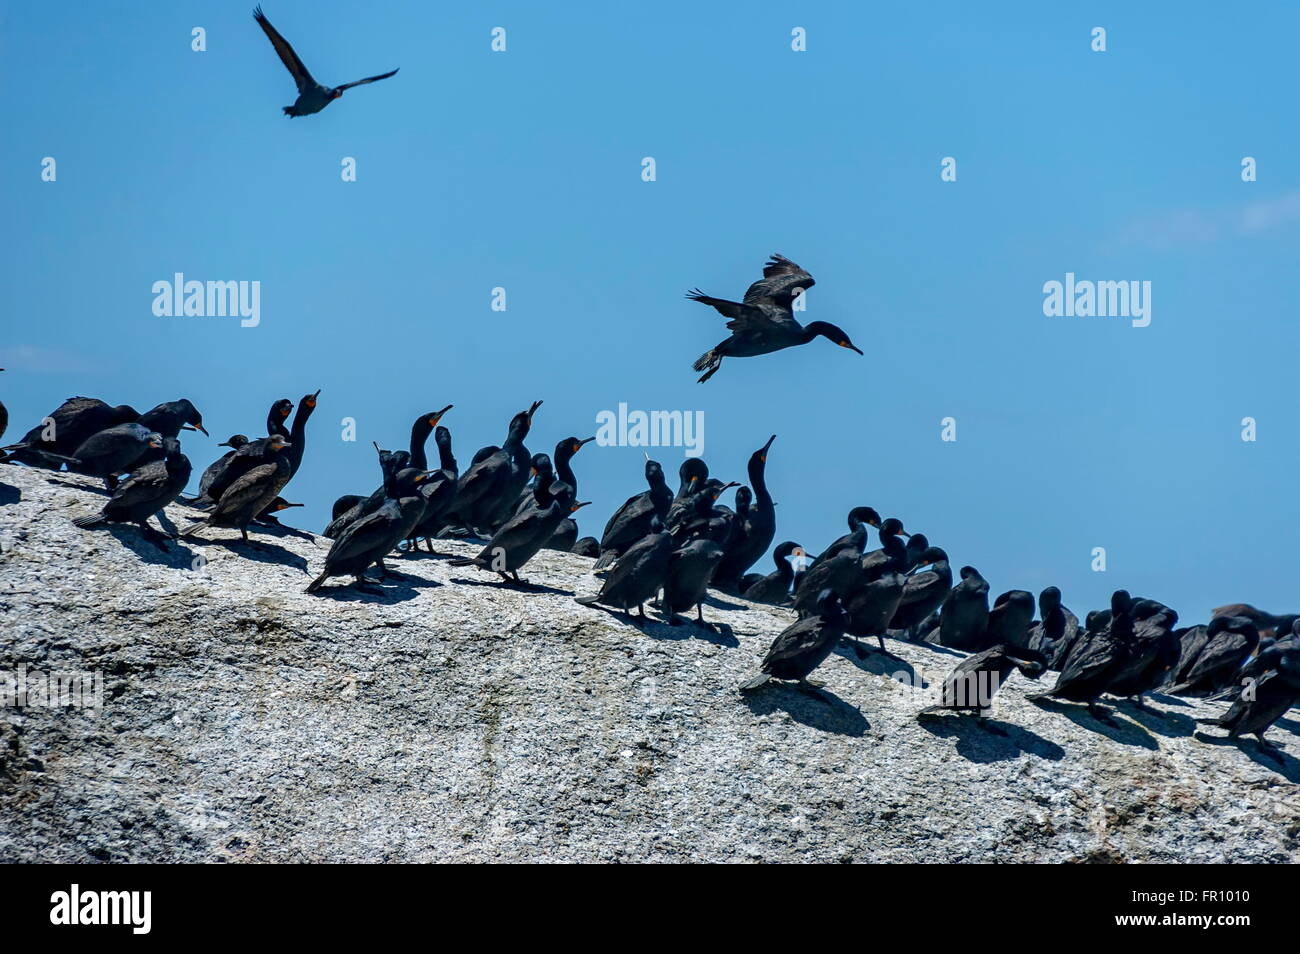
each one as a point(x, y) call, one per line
point(1117, 730)
point(9, 494)
point(823, 710)
point(983, 743)
point(256, 551)
point(1272, 759)
point(720, 634)
point(881, 663)
point(1172, 725)
point(517, 587)
point(177, 554)
point(378, 593)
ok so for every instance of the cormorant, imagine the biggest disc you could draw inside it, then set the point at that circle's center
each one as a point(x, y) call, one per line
point(1229, 642)
point(114, 451)
point(1056, 625)
point(1153, 652)
point(871, 605)
point(439, 492)
point(1270, 697)
point(861, 521)
point(689, 571)
point(587, 547)
point(248, 496)
point(215, 468)
point(519, 538)
point(925, 590)
point(803, 645)
point(1092, 666)
point(367, 540)
point(66, 428)
point(764, 322)
point(971, 686)
point(775, 587)
point(1009, 619)
point(312, 96)
point(489, 489)
point(964, 616)
point(754, 531)
point(171, 417)
point(637, 574)
point(276, 417)
point(297, 440)
point(631, 522)
point(390, 462)
point(148, 490)
point(254, 453)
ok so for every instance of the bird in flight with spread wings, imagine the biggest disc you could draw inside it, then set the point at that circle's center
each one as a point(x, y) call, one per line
point(764, 322)
point(312, 96)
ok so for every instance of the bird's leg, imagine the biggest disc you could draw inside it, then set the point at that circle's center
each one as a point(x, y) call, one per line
point(364, 585)
point(699, 617)
point(153, 536)
point(384, 572)
point(428, 542)
point(881, 638)
point(858, 649)
point(640, 610)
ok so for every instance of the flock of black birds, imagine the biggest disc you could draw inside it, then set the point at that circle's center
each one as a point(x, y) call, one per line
point(673, 547)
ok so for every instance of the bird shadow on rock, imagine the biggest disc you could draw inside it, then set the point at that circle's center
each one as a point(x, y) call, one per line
point(1117, 730)
point(824, 711)
point(718, 602)
point(1289, 724)
point(379, 594)
point(719, 634)
point(280, 530)
point(881, 663)
point(977, 742)
point(73, 485)
point(1170, 700)
point(516, 587)
point(1172, 725)
point(177, 555)
point(1273, 759)
point(257, 551)
point(9, 494)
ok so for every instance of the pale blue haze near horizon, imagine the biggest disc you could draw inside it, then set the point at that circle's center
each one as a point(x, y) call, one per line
point(479, 169)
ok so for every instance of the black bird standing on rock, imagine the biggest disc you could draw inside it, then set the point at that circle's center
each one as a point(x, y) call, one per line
point(754, 531)
point(971, 686)
point(964, 615)
point(1056, 625)
point(1009, 620)
point(775, 587)
point(147, 491)
point(1229, 642)
point(215, 468)
point(690, 570)
point(1093, 666)
point(566, 534)
point(66, 428)
point(312, 96)
point(803, 646)
point(249, 495)
point(764, 322)
point(636, 575)
point(1153, 652)
point(631, 522)
point(519, 538)
point(366, 541)
point(1270, 697)
point(390, 462)
point(487, 492)
point(114, 451)
point(925, 590)
point(439, 492)
point(297, 441)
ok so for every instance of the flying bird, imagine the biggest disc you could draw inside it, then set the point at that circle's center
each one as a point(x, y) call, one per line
point(312, 96)
point(764, 322)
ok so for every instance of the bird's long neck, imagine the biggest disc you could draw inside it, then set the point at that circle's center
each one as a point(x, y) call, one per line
point(419, 436)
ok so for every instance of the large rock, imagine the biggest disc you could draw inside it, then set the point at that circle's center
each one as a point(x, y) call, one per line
point(453, 719)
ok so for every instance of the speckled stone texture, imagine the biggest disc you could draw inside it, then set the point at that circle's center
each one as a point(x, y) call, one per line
point(453, 719)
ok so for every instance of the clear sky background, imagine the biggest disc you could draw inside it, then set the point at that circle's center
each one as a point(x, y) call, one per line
point(522, 169)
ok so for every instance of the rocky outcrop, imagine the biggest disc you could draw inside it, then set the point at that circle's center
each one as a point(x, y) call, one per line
point(453, 719)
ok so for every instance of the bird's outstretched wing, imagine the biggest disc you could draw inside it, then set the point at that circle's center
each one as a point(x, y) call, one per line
point(368, 79)
point(743, 317)
point(781, 279)
point(287, 55)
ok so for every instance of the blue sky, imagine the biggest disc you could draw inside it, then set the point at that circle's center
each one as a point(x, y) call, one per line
point(522, 169)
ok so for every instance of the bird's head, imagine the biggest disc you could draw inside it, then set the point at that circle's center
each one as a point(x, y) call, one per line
point(834, 333)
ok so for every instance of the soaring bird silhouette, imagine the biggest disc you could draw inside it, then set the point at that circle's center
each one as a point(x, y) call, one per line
point(312, 96)
point(764, 322)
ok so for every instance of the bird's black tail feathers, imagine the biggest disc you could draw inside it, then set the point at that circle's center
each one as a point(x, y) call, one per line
point(90, 520)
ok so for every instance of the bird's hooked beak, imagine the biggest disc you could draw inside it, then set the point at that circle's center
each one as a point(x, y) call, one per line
point(423, 475)
point(578, 446)
point(533, 410)
point(194, 427)
point(281, 446)
point(285, 505)
point(904, 533)
point(850, 345)
point(225, 444)
point(155, 443)
point(437, 415)
point(766, 446)
point(311, 401)
point(578, 506)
